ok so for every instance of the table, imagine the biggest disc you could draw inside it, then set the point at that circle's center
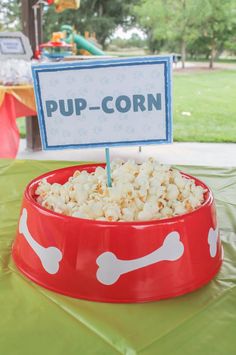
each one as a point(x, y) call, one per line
point(15, 101)
point(37, 321)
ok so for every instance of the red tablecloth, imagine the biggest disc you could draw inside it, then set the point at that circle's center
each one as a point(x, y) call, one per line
point(14, 102)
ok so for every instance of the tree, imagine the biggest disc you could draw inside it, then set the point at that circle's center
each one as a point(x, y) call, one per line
point(217, 25)
point(135, 41)
point(169, 20)
point(185, 19)
point(10, 15)
point(151, 17)
point(202, 25)
point(100, 16)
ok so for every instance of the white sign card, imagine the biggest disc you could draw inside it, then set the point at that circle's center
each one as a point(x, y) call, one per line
point(14, 45)
point(110, 102)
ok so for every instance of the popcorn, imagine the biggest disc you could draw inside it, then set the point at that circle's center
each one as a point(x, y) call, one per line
point(95, 209)
point(128, 214)
point(166, 212)
point(15, 72)
point(81, 195)
point(112, 212)
point(145, 215)
point(172, 192)
point(80, 214)
point(43, 188)
point(139, 193)
point(56, 188)
point(178, 208)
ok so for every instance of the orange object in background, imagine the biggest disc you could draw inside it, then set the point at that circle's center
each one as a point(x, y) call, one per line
point(62, 5)
point(15, 101)
point(86, 34)
point(57, 37)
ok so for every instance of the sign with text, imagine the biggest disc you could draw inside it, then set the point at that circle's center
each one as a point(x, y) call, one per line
point(104, 102)
point(14, 45)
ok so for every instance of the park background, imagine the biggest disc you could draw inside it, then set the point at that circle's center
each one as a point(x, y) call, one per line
point(201, 33)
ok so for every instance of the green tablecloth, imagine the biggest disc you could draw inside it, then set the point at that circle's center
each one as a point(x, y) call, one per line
point(36, 321)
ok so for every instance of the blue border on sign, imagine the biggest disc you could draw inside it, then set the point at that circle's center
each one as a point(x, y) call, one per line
point(99, 64)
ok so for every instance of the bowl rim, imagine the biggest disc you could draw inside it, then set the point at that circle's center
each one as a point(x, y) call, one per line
point(28, 196)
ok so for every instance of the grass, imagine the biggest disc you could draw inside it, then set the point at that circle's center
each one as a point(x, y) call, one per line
point(208, 97)
point(21, 126)
point(204, 106)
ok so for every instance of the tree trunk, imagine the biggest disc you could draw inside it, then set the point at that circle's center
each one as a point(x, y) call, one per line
point(100, 10)
point(212, 56)
point(183, 53)
point(33, 141)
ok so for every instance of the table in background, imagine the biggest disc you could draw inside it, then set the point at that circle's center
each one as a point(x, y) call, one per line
point(15, 101)
point(37, 321)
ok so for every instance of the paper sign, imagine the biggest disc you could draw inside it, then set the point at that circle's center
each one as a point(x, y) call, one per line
point(109, 102)
point(14, 45)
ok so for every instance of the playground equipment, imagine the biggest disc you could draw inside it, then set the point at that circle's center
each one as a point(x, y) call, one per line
point(61, 5)
point(56, 48)
point(66, 43)
point(81, 43)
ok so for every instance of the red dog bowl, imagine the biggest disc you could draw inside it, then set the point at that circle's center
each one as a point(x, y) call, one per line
point(116, 261)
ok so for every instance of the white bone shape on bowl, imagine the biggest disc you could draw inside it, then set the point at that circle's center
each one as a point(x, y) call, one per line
point(111, 268)
point(212, 241)
point(50, 257)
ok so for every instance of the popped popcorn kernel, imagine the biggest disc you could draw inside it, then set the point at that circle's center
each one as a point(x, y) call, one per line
point(139, 192)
